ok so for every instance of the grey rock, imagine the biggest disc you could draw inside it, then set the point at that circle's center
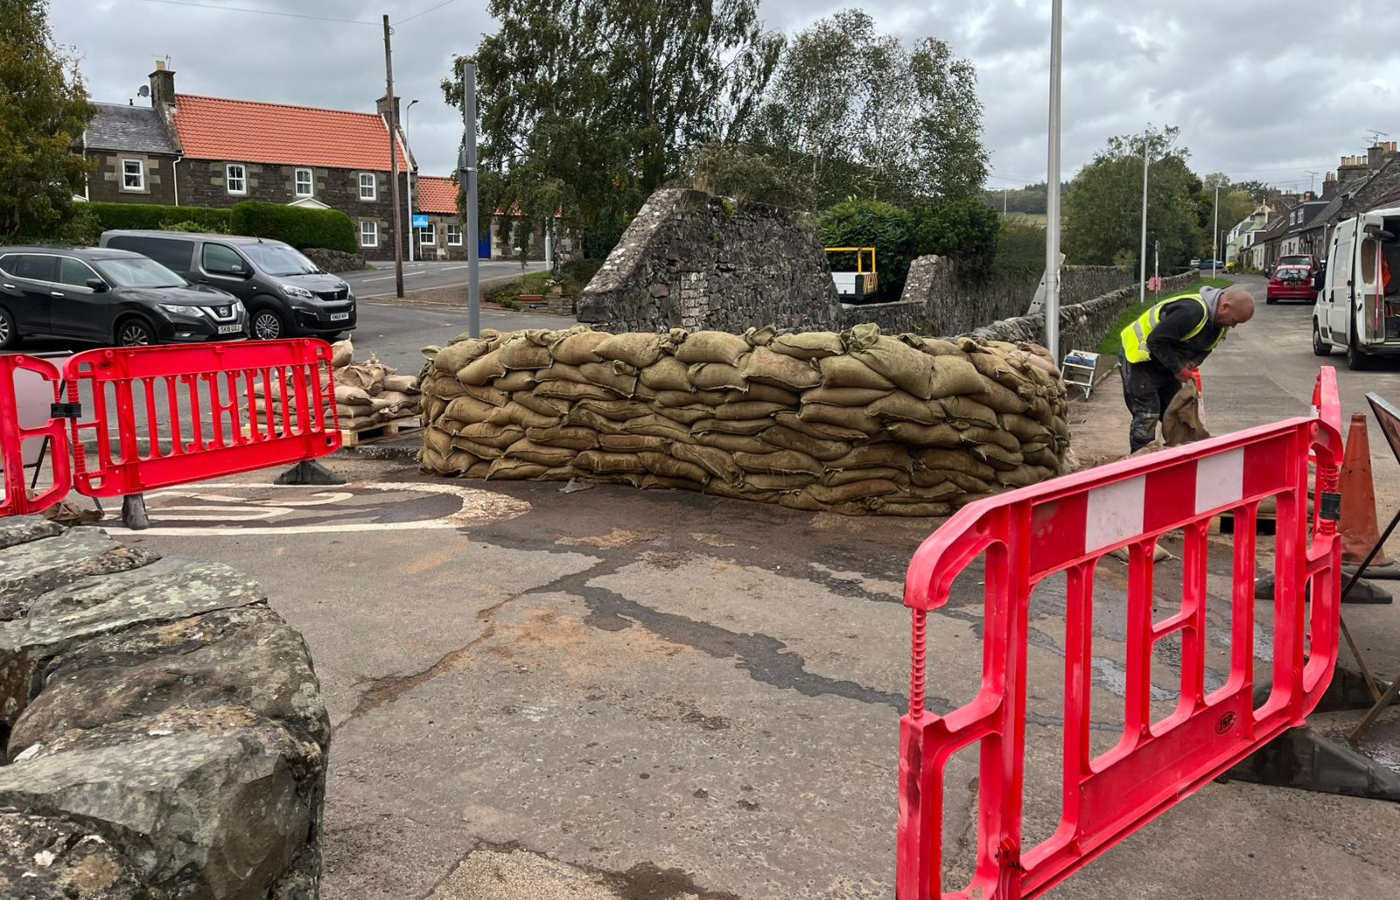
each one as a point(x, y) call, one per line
point(202, 814)
point(29, 569)
point(247, 658)
point(16, 530)
point(164, 591)
point(52, 859)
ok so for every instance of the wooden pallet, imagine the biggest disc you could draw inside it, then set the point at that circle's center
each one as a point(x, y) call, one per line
point(355, 437)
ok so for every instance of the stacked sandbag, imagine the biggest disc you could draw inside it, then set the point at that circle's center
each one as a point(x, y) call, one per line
point(855, 422)
point(366, 394)
point(371, 393)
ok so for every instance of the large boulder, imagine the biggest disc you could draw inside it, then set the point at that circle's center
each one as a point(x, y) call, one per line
point(165, 730)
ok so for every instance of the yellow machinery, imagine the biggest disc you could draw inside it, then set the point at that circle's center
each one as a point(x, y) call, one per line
point(858, 286)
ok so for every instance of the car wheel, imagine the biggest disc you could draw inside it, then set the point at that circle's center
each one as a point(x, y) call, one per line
point(266, 325)
point(1320, 347)
point(1357, 360)
point(9, 334)
point(1270, 300)
point(135, 333)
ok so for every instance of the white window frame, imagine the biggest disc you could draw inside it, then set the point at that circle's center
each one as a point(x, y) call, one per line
point(370, 180)
point(310, 181)
point(374, 233)
point(450, 227)
point(140, 174)
point(427, 236)
point(242, 191)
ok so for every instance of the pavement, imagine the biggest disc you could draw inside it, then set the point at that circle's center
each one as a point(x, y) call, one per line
point(622, 695)
point(396, 331)
point(379, 280)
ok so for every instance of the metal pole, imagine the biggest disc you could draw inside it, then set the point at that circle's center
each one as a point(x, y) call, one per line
point(1157, 267)
point(1004, 194)
point(469, 185)
point(1052, 191)
point(1215, 234)
point(408, 138)
point(393, 162)
point(1142, 254)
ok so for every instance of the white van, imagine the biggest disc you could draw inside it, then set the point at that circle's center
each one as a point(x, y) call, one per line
point(1358, 308)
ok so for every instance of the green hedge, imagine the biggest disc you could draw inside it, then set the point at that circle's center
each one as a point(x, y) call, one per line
point(326, 228)
point(151, 215)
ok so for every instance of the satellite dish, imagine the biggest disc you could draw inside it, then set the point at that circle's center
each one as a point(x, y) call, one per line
point(143, 91)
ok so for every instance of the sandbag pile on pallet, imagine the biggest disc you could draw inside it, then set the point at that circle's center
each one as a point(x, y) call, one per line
point(371, 393)
point(854, 422)
point(366, 394)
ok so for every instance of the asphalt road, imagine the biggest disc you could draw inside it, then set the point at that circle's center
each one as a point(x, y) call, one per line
point(379, 281)
point(618, 694)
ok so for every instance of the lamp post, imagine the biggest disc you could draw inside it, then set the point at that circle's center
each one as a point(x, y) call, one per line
point(1052, 191)
point(1142, 253)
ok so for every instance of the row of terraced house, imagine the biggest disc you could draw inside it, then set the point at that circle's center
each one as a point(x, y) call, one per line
point(189, 150)
point(1291, 224)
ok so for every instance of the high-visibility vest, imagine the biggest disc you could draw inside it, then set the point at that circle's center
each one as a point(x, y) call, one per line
point(1134, 337)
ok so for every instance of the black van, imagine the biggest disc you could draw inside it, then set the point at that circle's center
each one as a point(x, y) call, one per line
point(108, 297)
point(286, 294)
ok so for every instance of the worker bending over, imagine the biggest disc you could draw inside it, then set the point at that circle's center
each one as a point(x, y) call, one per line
point(1164, 347)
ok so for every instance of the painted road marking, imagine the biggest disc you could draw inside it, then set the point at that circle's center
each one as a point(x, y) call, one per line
point(249, 509)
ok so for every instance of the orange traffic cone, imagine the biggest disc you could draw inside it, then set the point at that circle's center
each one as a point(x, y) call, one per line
point(1358, 526)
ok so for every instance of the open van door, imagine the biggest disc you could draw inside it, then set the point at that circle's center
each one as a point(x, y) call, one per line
point(1339, 281)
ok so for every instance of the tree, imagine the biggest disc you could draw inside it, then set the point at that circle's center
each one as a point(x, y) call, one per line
point(865, 116)
point(43, 112)
point(588, 106)
point(1103, 208)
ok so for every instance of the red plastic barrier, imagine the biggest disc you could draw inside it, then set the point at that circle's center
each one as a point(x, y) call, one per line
point(162, 416)
point(17, 501)
point(1067, 525)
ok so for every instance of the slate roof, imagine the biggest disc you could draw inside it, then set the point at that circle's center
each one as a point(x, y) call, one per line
point(436, 195)
point(245, 131)
point(138, 129)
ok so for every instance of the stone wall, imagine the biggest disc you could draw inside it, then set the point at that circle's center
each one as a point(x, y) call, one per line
point(105, 184)
point(1082, 325)
point(695, 261)
point(163, 728)
point(202, 183)
point(934, 300)
point(335, 260)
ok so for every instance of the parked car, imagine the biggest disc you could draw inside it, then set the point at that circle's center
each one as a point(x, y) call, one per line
point(1358, 308)
point(1307, 260)
point(1290, 283)
point(108, 296)
point(1210, 264)
point(286, 294)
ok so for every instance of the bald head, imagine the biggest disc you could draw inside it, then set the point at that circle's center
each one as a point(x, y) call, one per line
point(1235, 307)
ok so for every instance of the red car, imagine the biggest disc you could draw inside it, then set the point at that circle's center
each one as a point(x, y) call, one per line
point(1291, 282)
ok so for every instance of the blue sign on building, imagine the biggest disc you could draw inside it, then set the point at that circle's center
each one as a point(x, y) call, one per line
point(420, 221)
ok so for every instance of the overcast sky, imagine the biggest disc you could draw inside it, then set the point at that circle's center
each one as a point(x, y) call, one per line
point(1262, 91)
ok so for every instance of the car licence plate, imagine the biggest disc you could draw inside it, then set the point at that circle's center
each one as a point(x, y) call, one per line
point(339, 317)
point(231, 329)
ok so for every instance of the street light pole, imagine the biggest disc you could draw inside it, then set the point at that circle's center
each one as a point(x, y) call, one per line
point(1215, 234)
point(1142, 253)
point(1052, 191)
point(468, 177)
point(408, 136)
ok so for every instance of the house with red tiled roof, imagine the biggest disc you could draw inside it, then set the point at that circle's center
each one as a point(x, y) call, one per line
point(221, 152)
point(436, 197)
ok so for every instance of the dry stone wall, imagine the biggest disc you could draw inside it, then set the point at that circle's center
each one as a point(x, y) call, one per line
point(856, 422)
point(690, 260)
point(163, 729)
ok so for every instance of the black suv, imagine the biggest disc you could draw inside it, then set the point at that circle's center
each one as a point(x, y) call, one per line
point(286, 294)
point(108, 296)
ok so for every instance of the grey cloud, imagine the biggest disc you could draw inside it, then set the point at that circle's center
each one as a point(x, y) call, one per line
point(1261, 91)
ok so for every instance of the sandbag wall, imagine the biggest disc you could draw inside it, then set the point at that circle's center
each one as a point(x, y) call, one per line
point(366, 394)
point(856, 422)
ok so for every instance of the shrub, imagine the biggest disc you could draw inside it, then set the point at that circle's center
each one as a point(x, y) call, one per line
point(600, 240)
point(154, 216)
point(1020, 248)
point(327, 228)
point(966, 231)
point(212, 228)
point(872, 223)
point(580, 270)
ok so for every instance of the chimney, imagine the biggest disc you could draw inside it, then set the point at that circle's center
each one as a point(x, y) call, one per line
point(1374, 157)
point(163, 87)
point(1351, 168)
point(381, 106)
point(1329, 186)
